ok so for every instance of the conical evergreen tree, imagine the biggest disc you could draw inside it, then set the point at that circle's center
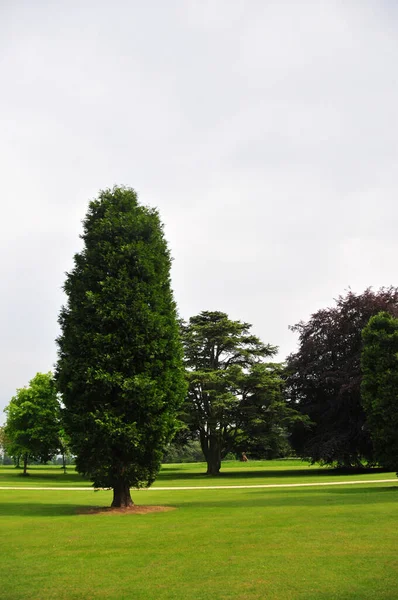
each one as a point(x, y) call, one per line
point(120, 366)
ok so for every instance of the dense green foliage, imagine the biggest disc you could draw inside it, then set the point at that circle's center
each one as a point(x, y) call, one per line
point(32, 427)
point(324, 379)
point(188, 452)
point(120, 358)
point(234, 398)
point(380, 386)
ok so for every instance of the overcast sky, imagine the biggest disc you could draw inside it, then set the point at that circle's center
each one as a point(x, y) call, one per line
point(264, 131)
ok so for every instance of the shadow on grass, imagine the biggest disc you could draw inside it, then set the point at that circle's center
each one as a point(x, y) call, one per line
point(43, 510)
point(175, 474)
point(45, 478)
point(33, 509)
point(250, 499)
point(368, 490)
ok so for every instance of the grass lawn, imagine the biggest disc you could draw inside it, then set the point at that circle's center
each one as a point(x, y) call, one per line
point(193, 474)
point(308, 543)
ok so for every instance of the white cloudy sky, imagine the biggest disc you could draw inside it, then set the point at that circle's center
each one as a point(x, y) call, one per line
point(265, 132)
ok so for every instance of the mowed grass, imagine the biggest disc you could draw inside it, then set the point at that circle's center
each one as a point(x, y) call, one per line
point(193, 474)
point(287, 543)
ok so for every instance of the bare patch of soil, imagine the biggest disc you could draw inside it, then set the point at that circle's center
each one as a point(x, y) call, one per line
point(131, 510)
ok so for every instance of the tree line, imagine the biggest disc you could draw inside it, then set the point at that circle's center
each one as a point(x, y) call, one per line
point(131, 377)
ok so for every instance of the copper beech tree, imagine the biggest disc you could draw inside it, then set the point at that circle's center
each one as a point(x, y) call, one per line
point(324, 379)
point(120, 366)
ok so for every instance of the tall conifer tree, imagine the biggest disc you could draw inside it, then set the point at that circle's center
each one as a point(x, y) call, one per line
point(120, 366)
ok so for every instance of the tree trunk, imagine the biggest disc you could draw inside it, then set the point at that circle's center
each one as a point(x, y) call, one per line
point(25, 464)
point(63, 462)
point(121, 496)
point(213, 467)
point(213, 457)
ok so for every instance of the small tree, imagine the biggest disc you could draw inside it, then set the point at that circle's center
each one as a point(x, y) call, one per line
point(64, 447)
point(32, 426)
point(380, 386)
point(234, 397)
point(120, 357)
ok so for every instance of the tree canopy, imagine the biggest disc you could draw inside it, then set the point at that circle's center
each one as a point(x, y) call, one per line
point(32, 426)
point(234, 395)
point(120, 364)
point(380, 386)
point(324, 378)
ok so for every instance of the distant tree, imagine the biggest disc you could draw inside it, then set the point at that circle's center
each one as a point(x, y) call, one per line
point(3, 451)
point(5, 458)
point(380, 386)
point(324, 380)
point(32, 425)
point(2, 439)
point(64, 446)
point(190, 452)
point(120, 366)
point(234, 396)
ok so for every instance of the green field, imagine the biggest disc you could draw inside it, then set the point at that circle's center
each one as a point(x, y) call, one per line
point(177, 475)
point(257, 543)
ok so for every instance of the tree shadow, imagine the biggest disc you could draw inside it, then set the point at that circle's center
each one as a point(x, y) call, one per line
point(369, 490)
point(38, 509)
point(73, 479)
point(289, 497)
point(175, 474)
point(43, 510)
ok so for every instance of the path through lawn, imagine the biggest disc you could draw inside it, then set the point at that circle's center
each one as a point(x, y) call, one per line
point(210, 487)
